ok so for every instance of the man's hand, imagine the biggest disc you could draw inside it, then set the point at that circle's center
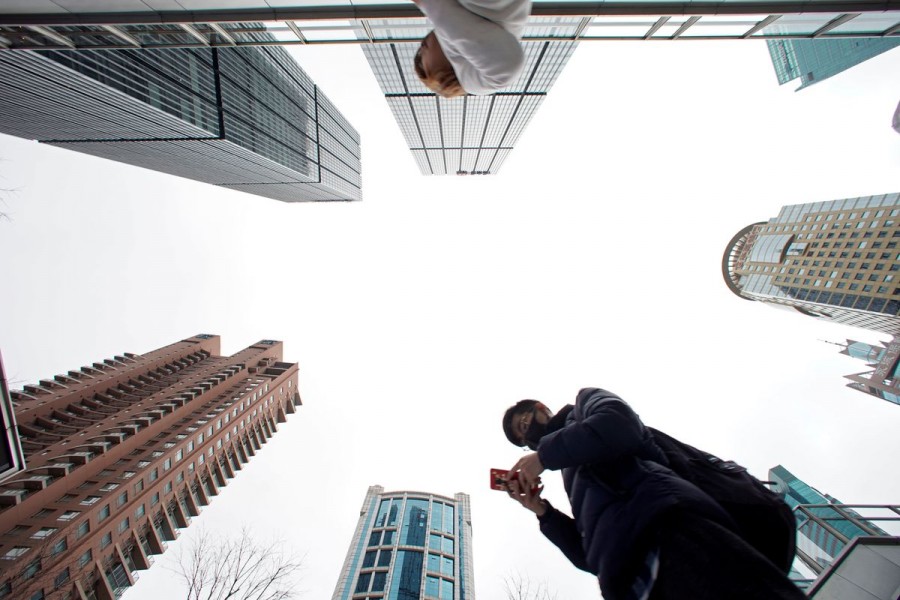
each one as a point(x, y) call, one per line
point(523, 496)
point(529, 469)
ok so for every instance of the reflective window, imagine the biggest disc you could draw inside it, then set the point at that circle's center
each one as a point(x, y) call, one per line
point(362, 585)
point(434, 542)
point(388, 538)
point(407, 578)
point(378, 581)
point(415, 519)
point(447, 544)
point(369, 559)
point(446, 566)
point(432, 586)
point(448, 519)
point(374, 538)
point(382, 513)
point(446, 590)
point(384, 559)
point(434, 563)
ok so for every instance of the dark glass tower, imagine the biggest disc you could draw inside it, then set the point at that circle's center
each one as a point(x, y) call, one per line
point(409, 546)
point(245, 118)
point(815, 60)
point(820, 539)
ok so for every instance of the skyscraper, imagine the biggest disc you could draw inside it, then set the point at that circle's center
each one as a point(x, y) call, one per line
point(836, 260)
point(822, 531)
point(884, 380)
point(471, 135)
point(123, 452)
point(244, 118)
point(409, 546)
point(815, 60)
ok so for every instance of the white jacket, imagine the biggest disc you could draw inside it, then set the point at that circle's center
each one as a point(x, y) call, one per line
point(480, 39)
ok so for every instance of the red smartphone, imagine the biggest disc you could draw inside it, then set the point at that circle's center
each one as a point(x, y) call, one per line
point(499, 477)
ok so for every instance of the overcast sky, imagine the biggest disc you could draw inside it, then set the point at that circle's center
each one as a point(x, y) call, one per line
point(419, 314)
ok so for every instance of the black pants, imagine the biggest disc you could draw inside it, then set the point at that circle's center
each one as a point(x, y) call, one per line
point(701, 560)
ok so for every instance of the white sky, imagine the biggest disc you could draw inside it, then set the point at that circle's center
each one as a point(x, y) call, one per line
point(418, 315)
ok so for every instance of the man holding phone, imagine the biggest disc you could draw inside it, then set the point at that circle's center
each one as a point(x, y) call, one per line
point(645, 532)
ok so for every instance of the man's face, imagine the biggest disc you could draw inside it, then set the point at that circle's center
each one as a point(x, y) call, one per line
point(431, 56)
point(521, 423)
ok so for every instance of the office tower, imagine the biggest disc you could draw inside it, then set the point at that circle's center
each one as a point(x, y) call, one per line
point(813, 60)
point(122, 453)
point(244, 118)
point(471, 135)
point(824, 524)
point(836, 260)
point(409, 546)
point(884, 380)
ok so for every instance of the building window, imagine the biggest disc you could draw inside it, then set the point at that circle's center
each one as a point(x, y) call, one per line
point(105, 541)
point(68, 515)
point(154, 499)
point(179, 455)
point(168, 488)
point(84, 559)
point(122, 499)
point(104, 513)
point(123, 525)
point(43, 533)
point(82, 530)
point(109, 487)
point(16, 552)
point(154, 475)
point(61, 578)
point(139, 487)
point(167, 465)
point(58, 547)
point(32, 569)
point(140, 512)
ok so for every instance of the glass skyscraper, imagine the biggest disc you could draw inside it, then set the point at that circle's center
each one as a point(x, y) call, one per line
point(837, 260)
point(820, 540)
point(245, 118)
point(815, 60)
point(883, 381)
point(470, 135)
point(409, 546)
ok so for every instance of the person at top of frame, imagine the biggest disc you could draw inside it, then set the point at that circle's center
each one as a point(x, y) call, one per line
point(474, 47)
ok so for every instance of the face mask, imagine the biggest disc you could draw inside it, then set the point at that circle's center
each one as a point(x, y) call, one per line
point(535, 431)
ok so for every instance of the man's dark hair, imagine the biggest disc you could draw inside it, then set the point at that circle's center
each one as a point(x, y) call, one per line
point(519, 408)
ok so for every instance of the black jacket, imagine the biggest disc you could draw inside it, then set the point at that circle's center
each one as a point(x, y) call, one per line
point(618, 488)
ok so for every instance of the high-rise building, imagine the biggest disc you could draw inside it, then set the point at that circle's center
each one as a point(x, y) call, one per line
point(470, 135)
point(813, 60)
point(884, 380)
point(836, 260)
point(824, 524)
point(122, 453)
point(11, 459)
point(244, 118)
point(409, 546)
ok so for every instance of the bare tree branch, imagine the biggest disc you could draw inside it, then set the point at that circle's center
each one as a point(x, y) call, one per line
point(216, 567)
point(521, 587)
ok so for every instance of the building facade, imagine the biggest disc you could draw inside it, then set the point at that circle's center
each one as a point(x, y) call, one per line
point(883, 381)
point(836, 260)
point(122, 453)
point(824, 524)
point(11, 459)
point(815, 60)
point(409, 546)
point(470, 135)
point(244, 118)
